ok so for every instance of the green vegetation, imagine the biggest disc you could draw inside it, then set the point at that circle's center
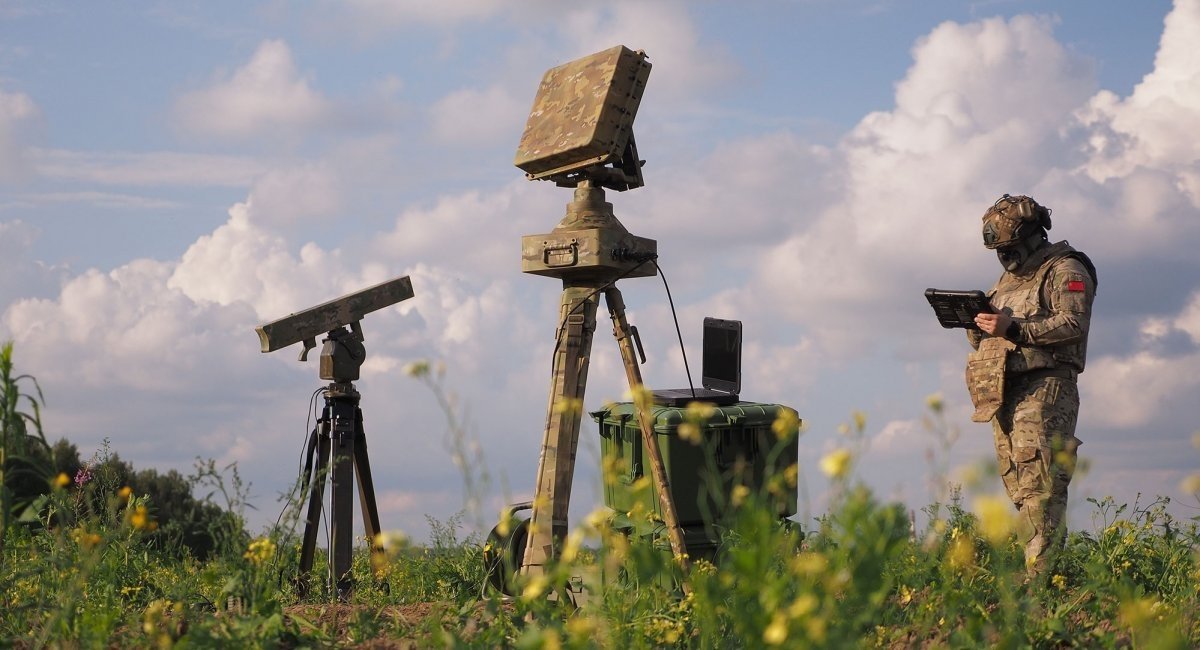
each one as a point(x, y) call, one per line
point(105, 563)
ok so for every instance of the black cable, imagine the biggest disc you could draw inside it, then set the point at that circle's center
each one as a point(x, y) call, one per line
point(562, 325)
point(678, 334)
point(302, 472)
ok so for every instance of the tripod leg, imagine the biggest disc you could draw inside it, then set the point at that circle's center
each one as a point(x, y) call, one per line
point(341, 516)
point(316, 493)
point(556, 465)
point(366, 495)
point(633, 373)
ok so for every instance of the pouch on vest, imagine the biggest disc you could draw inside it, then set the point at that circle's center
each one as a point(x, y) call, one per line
point(985, 376)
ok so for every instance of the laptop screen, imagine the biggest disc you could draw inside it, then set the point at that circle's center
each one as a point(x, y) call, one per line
point(722, 355)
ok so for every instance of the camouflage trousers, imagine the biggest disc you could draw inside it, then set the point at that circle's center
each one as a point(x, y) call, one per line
point(1036, 449)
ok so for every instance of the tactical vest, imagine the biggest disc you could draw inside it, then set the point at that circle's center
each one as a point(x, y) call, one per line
point(1025, 297)
point(998, 358)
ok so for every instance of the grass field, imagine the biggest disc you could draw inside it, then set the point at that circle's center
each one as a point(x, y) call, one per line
point(87, 572)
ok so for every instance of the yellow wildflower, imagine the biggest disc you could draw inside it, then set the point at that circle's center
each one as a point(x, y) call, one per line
point(124, 493)
point(1139, 612)
point(568, 405)
point(581, 628)
point(86, 540)
point(700, 411)
point(995, 518)
point(935, 402)
point(641, 396)
point(570, 549)
point(597, 519)
point(802, 606)
point(1066, 460)
point(536, 586)
point(260, 551)
point(689, 432)
point(860, 421)
point(504, 525)
point(961, 554)
point(777, 632)
point(393, 542)
point(139, 518)
point(809, 563)
point(1190, 485)
point(153, 615)
point(417, 369)
point(786, 424)
point(815, 627)
point(791, 475)
point(62, 480)
point(836, 464)
point(740, 492)
point(1059, 581)
point(906, 595)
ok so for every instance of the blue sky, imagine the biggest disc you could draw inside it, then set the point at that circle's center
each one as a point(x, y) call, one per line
point(173, 174)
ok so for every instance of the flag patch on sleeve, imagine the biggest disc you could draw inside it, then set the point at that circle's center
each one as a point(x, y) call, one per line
point(1075, 285)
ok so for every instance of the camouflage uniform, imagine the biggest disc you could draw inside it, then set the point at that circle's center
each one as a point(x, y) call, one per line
point(1025, 383)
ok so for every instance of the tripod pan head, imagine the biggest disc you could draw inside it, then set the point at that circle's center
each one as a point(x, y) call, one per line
point(342, 355)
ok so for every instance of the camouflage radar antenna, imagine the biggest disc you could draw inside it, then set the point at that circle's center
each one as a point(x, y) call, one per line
point(580, 134)
point(337, 440)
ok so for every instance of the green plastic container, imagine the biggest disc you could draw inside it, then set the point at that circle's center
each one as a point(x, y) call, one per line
point(736, 447)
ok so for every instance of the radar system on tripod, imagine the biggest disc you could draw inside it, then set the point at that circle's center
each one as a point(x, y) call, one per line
point(338, 441)
point(580, 135)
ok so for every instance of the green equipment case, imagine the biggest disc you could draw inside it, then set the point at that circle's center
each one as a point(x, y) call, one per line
point(736, 446)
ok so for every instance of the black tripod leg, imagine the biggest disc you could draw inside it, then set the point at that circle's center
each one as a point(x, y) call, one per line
point(366, 495)
point(316, 494)
point(342, 515)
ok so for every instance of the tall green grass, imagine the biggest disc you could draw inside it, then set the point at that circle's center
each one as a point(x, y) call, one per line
point(88, 574)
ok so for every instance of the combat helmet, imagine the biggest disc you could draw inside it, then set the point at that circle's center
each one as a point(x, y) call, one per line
point(1011, 219)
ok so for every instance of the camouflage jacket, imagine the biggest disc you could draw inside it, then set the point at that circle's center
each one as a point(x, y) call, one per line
point(1050, 300)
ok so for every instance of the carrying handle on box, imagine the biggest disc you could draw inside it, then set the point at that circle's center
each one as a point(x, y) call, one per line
point(599, 417)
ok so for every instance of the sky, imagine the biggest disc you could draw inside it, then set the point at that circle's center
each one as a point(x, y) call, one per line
point(173, 174)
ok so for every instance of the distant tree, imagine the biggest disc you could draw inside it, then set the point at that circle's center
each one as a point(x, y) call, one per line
point(28, 464)
point(185, 522)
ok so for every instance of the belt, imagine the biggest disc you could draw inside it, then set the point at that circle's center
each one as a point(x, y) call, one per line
point(1041, 373)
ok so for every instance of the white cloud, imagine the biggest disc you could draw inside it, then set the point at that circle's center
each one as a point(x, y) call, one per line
point(121, 302)
point(287, 196)
point(159, 168)
point(478, 117)
point(241, 262)
point(667, 33)
point(1189, 319)
point(22, 276)
point(17, 112)
point(1139, 389)
point(267, 95)
point(472, 231)
point(1144, 128)
point(375, 15)
point(1143, 387)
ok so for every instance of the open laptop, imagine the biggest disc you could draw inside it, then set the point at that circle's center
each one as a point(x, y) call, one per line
point(720, 368)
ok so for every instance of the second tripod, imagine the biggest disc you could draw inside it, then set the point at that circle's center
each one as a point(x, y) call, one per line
point(340, 449)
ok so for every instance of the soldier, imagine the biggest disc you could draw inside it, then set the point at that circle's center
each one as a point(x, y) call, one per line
point(1027, 355)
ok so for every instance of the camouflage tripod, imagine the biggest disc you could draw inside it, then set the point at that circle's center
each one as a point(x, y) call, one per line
point(589, 250)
